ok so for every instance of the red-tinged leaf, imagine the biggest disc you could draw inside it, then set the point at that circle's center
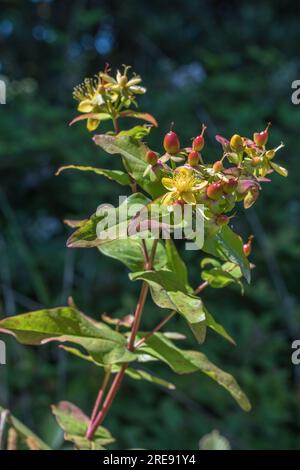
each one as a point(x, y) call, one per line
point(144, 116)
point(96, 116)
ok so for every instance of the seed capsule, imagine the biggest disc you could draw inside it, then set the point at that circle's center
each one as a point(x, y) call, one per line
point(171, 143)
point(230, 185)
point(218, 166)
point(199, 141)
point(214, 190)
point(247, 247)
point(193, 158)
point(151, 157)
point(261, 138)
point(236, 143)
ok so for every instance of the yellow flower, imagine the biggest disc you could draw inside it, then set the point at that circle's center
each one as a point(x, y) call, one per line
point(90, 100)
point(182, 187)
point(124, 85)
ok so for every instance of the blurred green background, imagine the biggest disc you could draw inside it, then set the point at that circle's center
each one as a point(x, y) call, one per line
point(228, 64)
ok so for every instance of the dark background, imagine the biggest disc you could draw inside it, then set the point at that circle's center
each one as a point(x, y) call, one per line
point(228, 64)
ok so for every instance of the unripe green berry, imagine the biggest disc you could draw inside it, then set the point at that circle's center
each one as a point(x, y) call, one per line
point(236, 143)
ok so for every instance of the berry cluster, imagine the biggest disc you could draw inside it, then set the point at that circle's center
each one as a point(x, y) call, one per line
point(235, 177)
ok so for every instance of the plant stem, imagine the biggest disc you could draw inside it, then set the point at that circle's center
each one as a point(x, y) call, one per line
point(116, 125)
point(157, 328)
point(97, 421)
point(107, 402)
point(165, 320)
point(201, 287)
point(98, 402)
point(137, 315)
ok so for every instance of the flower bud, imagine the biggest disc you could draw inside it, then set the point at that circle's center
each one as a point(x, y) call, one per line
point(151, 157)
point(198, 142)
point(261, 138)
point(218, 166)
point(193, 158)
point(171, 143)
point(230, 185)
point(236, 143)
point(247, 247)
point(214, 190)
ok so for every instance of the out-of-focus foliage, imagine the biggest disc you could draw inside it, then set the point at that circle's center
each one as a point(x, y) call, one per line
point(228, 64)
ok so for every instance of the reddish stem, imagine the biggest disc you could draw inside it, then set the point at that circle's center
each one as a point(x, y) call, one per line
point(100, 394)
point(97, 421)
point(107, 403)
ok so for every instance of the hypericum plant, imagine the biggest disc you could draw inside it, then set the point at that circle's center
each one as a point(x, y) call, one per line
point(177, 177)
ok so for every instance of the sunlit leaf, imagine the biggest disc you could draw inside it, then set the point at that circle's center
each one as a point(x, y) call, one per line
point(186, 362)
point(115, 175)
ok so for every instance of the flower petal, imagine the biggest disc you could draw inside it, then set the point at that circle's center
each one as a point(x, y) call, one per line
point(85, 106)
point(139, 90)
point(92, 124)
point(167, 199)
point(168, 184)
point(189, 197)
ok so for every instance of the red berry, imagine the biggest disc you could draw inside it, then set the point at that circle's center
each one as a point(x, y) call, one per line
point(261, 138)
point(218, 166)
point(247, 247)
point(171, 143)
point(230, 185)
point(151, 157)
point(198, 142)
point(193, 158)
point(214, 190)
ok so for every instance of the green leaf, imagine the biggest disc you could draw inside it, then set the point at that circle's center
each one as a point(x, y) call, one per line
point(279, 169)
point(134, 158)
point(168, 292)
point(75, 423)
point(217, 327)
point(114, 175)
point(218, 278)
point(176, 263)
point(129, 252)
point(136, 374)
point(68, 324)
point(22, 430)
point(113, 221)
point(139, 115)
point(137, 132)
point(186, 362)
point(199, 331)
point(228, 246)
point(210, 261)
